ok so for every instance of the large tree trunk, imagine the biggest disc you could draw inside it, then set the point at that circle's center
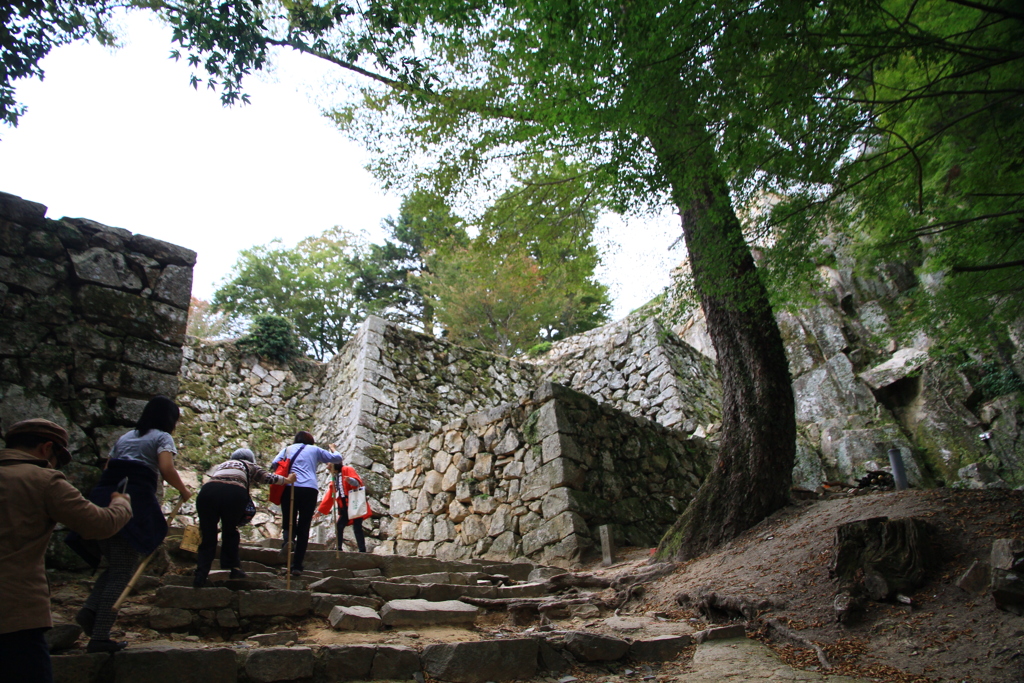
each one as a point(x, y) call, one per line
point(753, 473)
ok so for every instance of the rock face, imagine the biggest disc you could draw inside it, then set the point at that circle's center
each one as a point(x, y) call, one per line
point(93, 319)
point(861, 389)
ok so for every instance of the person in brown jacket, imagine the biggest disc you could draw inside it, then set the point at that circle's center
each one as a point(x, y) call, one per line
point(34, 496)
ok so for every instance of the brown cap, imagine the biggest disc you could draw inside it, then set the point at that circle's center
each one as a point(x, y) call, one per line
point(51, 430)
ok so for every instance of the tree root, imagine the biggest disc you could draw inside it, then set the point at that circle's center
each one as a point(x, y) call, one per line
point(790, 635)
point(714, 606)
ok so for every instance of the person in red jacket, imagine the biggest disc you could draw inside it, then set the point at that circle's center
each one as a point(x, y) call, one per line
point(349, 479)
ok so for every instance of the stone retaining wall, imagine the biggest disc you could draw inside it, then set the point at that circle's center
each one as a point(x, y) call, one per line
point(385, 384)
point(536, 477)
point(93, 321)
point(641, 368)
point(93, 318)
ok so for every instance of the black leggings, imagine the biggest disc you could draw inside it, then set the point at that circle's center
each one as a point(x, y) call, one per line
point(357, 528)
point(121, 561)
point(305, 506)
point(219, 502)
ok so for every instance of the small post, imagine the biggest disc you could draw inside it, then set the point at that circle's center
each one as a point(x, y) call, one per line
point(899, 474)
point(607, 545)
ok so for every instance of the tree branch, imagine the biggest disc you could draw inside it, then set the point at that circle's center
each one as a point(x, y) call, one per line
point(992, 266)
point(990, 9)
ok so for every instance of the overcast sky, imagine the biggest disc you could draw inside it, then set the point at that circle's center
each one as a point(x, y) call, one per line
point(120, 138)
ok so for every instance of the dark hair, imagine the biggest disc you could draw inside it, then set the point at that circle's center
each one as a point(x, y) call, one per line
point(26, 441)
point(160, 413)
point(304, 437)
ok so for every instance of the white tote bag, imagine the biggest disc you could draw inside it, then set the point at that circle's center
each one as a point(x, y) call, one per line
point(357, 503)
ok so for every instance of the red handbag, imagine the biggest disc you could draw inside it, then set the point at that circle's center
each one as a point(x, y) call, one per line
point(284, 467)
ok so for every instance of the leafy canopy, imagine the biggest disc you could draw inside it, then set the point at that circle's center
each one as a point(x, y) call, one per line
point(312, 285)
point(390, 277)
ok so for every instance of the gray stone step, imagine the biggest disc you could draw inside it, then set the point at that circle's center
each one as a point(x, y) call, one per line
point(389, 565)
point(468, 662)
point(418, 613)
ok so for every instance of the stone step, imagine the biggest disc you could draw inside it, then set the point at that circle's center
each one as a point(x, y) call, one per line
point(465, 662)
point(389, 565)
point(277, 543)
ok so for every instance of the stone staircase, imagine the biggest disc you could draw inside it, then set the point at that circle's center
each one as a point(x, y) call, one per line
point(249, 630)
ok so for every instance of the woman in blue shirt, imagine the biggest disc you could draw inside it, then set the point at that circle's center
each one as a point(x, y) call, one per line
point(305, 457)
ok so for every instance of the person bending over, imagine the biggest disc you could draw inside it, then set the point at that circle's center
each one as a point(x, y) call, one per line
point(224, 499)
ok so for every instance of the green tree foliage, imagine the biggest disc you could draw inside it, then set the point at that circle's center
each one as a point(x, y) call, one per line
point(30, 29)
point(312, 285)
point(390, 276)
point(498, 304)
point(273, 337)
point(204, 322)
point(551, 218)
point(932, 174)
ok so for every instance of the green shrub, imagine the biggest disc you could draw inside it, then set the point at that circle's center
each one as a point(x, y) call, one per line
point(273, 337)
point(538, 349)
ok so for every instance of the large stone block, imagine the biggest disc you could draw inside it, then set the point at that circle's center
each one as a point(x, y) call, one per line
point(174, 286)
point(17, 210)
point(487, 660)
point(165, 252)
point(169, 618)
point(168, 664)
point(395, 663)
point(267, 665)
point(105, 268)
point(323, 603)
point(154, 355)
point(274, 603)
point(354, 619)
point(424, 613)
point(1008, 591)
point(558, 472)
point(131, 314)
point(337, 585)
point(79, 668)
point(348, 662)
point(395, 591)
point(659, 648)
point(194, 598)
point(593, 647)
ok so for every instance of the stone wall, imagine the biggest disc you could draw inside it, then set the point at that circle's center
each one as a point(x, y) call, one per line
point(385, 384)
point(536, 477)
point(641, 368)
point(388, 383)
point(231, 400)
point(93, 319)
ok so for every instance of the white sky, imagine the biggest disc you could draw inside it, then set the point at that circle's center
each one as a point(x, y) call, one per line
point(120, 138)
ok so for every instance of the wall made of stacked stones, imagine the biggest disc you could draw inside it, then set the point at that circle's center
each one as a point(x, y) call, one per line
point(389, 383)
point(93, 319)
point(536, 477)
point(230, 399)
point(640, 368)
